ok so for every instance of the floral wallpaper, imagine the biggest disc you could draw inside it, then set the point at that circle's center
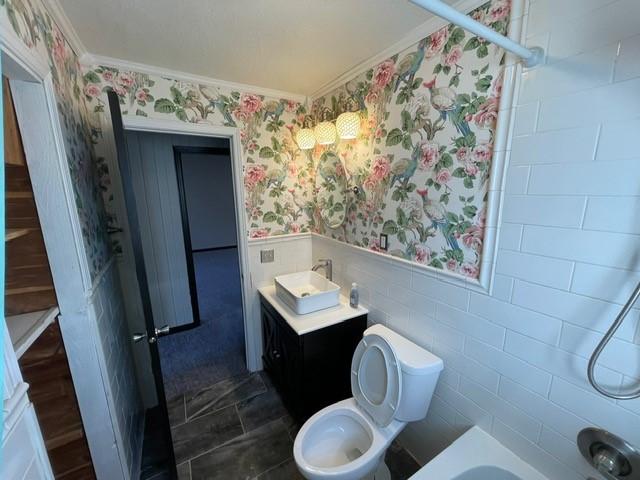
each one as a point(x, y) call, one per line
point(278, 176)
point(422, 160)
point(30, 21)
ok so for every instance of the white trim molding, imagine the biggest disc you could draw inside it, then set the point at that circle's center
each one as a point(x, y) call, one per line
point(91, 60)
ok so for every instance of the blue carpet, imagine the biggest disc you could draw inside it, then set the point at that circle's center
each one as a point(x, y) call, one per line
point(199, 357)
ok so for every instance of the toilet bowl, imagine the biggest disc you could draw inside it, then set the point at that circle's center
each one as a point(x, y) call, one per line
point(392, 381)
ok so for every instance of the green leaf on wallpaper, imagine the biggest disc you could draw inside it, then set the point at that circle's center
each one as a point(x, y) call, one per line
point(470, 211)
point(482, 51)
point(407, 143)
point(141, 113)
point(459, 173)
point(394, 137)
point(266, 152)
point(402, 217)
point(181, 114)
point(484, 69)
point(269, 217)
point(452, 217)
point(407, 121)
point(91, 77)
point(437, 69)
point(389, 227)
point(436, 263)
point(446, 70)
point(472, 43)
point(455, 81)
point(468, 183)
point(484, 83)
point(178, 97)
point(164, 105)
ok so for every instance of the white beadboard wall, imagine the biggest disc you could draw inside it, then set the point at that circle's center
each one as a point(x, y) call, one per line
point(515, 361)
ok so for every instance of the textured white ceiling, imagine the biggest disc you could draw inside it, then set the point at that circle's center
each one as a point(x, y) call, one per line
point(291, 45)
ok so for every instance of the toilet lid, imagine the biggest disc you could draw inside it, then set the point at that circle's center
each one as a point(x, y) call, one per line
point(376, 380)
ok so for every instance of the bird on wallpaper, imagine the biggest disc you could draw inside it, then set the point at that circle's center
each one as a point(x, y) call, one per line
point(409, 66)
point(438, 216)
point(276, 176)
point(218, 101)
point(403, 169)
point(273, 109)
point(444, 100)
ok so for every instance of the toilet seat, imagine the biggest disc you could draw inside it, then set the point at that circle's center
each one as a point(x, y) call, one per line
point(376, 379)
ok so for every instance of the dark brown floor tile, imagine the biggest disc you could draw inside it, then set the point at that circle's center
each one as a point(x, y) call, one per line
point(261, 409)
point(177, 410)
point(247, 456)
point(224, 393)
point(205, 433)
point(400, 463)
point(287, 470)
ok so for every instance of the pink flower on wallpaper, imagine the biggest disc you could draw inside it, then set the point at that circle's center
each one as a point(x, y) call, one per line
point(483, 152)
point(470, 270)
point(125, 80)
point(240, 114)
point(294, 228)
point(453, 57)
point(429, 155)
point(380, 168)
point(253, 175)
point(383, 74)
point(374, 244)
point(141, 95)
point(436, 43)
point(291, 106)
point(59, 47)
point(92, 90)
point(482, 218)
point(250, 103)
point(259, 233)
point(107, 75)
point(499, 10)
point(471, 169)
point(452, 264)
point(373, 96)
point(462, 154)
point(293, 169)
point(487, 113)
point(120, 91)
point(472, 237)
point(443, 176)
point(496, 88)
point(423, 254)
point(479, 15)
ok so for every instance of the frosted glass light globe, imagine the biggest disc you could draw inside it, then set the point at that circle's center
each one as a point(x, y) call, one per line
point(348, 125)
point(325, 133)
point(305, 139)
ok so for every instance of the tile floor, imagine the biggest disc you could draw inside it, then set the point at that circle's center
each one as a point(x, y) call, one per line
point(239, 429)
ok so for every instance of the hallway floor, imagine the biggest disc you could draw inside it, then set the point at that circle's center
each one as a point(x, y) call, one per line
point(239, 429)
point(199, 357)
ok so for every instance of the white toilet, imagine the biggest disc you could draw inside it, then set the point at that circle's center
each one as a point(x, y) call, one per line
point(392, 381)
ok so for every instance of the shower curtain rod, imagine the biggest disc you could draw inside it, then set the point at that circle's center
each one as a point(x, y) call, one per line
point(530, 56)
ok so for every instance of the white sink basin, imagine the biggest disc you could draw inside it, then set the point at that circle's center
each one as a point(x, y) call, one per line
point(306, 292)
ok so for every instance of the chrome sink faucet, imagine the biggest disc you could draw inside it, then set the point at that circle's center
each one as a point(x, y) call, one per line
point(327, 264)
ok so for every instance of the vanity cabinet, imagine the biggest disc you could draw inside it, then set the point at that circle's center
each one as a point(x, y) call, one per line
point(312, 370)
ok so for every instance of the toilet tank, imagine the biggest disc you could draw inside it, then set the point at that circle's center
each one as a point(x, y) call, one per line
point(420, 371)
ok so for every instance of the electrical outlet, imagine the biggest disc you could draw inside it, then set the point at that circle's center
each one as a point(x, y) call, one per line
point(266, 256)
point(383, 242)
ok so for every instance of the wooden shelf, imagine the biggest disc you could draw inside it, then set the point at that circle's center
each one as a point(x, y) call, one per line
point(13, 233)
point(26, 328)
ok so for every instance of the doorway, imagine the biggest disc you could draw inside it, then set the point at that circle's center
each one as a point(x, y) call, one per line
point(184, 196)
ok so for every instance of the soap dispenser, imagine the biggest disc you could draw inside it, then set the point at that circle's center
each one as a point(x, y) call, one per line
point(354, 296)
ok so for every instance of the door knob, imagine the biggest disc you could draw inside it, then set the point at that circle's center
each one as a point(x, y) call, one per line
point(139, 336)
point(164, 330)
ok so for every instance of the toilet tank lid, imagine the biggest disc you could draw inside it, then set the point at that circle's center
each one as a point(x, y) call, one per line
point(413, 359)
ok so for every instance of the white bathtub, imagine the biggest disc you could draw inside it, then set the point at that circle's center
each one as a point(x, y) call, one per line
point(476, 455)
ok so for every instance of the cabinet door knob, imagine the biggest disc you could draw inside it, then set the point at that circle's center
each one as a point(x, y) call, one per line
point(276, 354)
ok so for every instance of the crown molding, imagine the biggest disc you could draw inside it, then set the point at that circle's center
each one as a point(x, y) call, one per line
point(411, 38)
point(65, 26)
point(91, 60)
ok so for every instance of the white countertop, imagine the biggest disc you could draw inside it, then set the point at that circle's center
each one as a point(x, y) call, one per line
point(310, 322)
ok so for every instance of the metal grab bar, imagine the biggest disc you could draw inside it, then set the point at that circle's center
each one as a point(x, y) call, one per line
point(603, 343)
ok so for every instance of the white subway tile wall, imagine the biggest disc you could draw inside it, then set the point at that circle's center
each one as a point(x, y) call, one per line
point(515, 362)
